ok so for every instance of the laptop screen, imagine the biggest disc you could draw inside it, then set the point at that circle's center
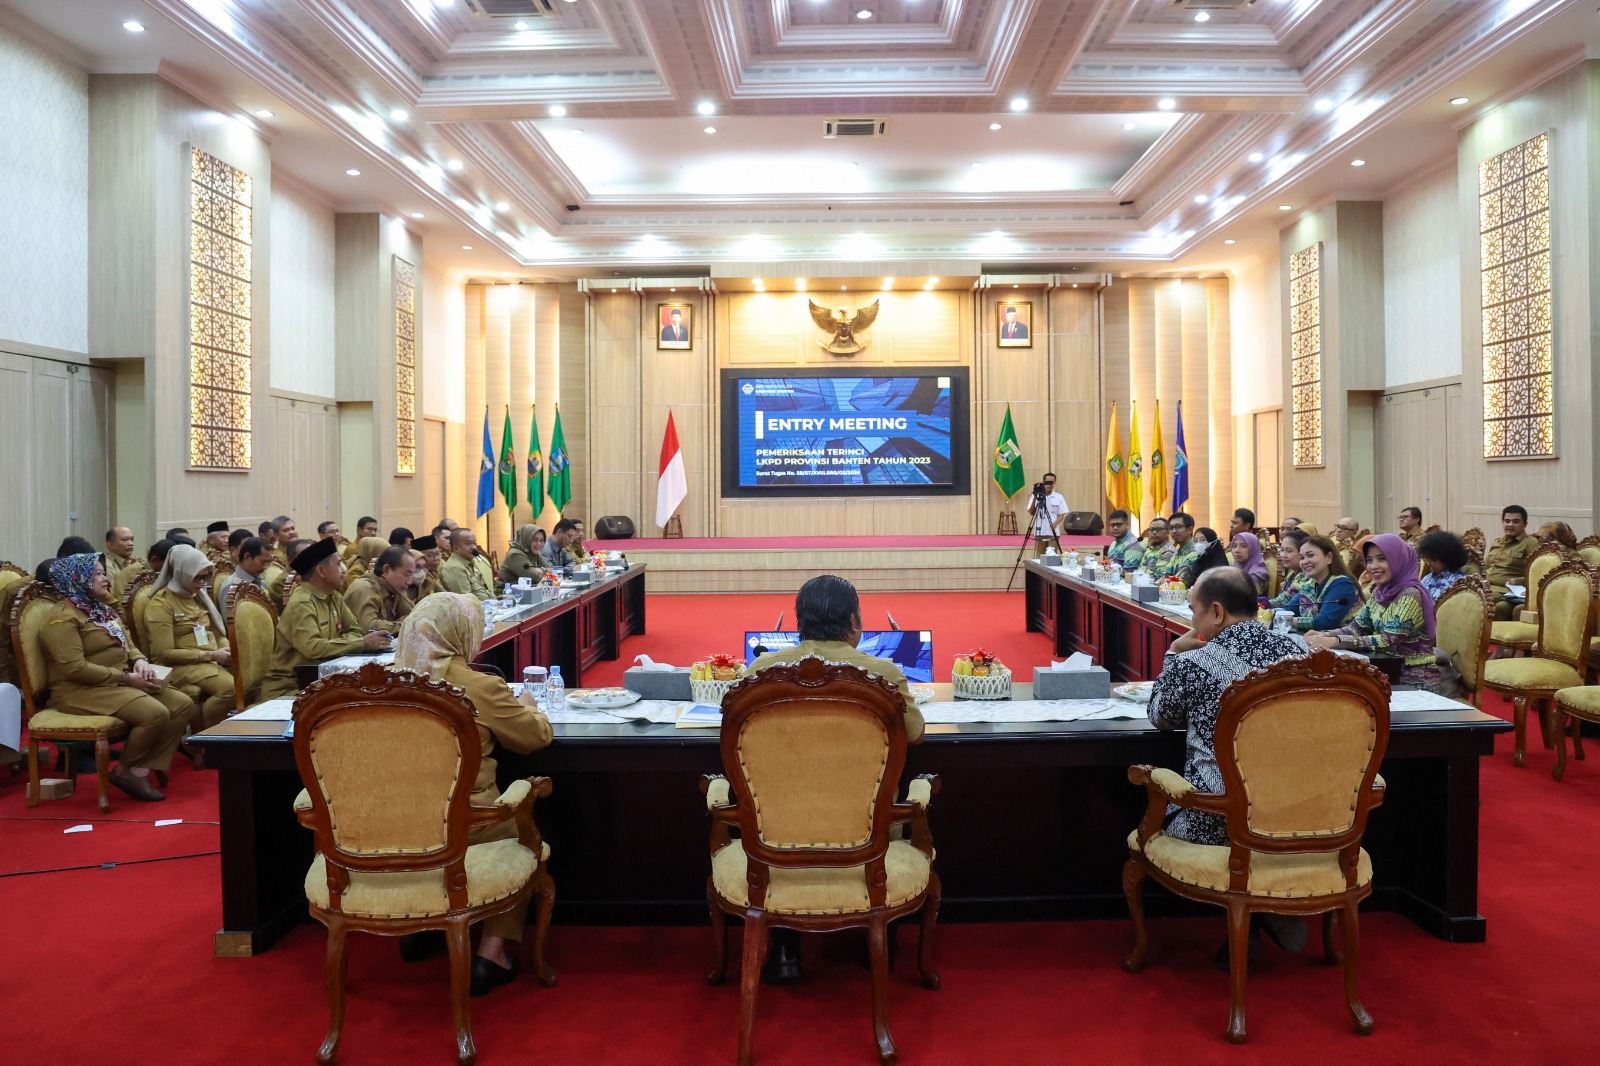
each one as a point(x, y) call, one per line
point(911, 649)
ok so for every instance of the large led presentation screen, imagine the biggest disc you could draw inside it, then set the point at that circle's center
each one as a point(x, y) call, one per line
point(842, 432)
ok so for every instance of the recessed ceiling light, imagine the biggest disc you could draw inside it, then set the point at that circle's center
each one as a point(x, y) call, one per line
point(1285, 207)
point(1127, 125)
point(1230, 240)
point(521, 25)
point(841, 288)
point(1255, 157)
point(1201, 16)
point(1201, 198)
point(758, 281)
point(863, 14)
point(416, 214)
point(1019, 103)
point(466, 247)
point(455, 164)
point(576, 133)
point(1459, 100)
point(933, 281)
point(133, 27)
point(994, 125)
point(557, 111)
point(443, 3)
point(399, 114)
point(706, 107)
point(502, 206)
point(505, 273)
point(263, 113)
point(1166, 103)
point(888, 281)
point(977, 166)
point(353, 172)
point(711, 129)
point(1323, 104)
point(1358, 162)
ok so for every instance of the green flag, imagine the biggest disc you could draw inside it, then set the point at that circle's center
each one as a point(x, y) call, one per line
point(1008, 475)
point(535, 468)
point(508, 468)
point(560, 468)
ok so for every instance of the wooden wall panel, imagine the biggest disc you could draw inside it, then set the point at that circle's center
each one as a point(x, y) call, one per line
point(618, 454)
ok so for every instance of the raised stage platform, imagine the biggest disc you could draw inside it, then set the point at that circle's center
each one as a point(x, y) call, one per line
point(908, 563)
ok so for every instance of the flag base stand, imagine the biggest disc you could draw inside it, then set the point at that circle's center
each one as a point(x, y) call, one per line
point(674, 530)
point(1008, 524)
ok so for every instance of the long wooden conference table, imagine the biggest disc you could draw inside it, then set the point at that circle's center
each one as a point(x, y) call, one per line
point(1031, 823)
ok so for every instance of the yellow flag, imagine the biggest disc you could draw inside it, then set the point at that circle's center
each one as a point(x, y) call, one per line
point(1135, 467)
point(1116, 467)
point(1158, 468)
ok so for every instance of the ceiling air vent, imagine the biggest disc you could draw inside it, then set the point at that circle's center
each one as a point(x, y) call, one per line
point(510, 9)
point(854, 127)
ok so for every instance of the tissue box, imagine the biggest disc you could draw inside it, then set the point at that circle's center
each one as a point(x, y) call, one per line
point(1091, 684)
point(1144, 593)
point(658, 684)
point(1052, 560)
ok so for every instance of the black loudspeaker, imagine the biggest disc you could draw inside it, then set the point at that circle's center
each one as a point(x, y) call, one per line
point(1088, 523)
point(618, 527)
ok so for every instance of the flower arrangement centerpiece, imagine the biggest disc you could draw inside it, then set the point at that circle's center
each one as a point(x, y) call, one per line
point(1173, 592)
point(979, 675)
point(712, 677)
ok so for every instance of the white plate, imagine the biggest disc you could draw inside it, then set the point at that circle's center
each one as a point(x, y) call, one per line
point(601, 699)
point(921, 693)
point(1137, 691)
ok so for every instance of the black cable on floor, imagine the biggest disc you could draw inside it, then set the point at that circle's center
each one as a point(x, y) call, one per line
point(109, 865)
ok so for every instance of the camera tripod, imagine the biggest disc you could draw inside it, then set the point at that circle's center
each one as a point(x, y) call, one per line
point(1039, 509)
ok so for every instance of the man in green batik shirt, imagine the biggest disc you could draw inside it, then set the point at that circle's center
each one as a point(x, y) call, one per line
point(1126, 548)
point(1158, 548)
point(1181, 528)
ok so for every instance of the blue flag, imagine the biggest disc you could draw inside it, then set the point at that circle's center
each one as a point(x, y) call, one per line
point(486, 471)
point(1180, 476)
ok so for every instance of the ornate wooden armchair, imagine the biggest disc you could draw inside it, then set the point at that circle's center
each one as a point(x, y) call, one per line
point(1435, 528)
point(1519, 635)
point(393, 855)
point(12, 581)
point(252, 634)
point(45, 726)
point(225, 569)
point(1476, 545)
point(1560, 654)
point(1589, 550)
point(813, 753)
point(136, 596)
point(1462, 619)
point(1274, 574)
point(1299, 746)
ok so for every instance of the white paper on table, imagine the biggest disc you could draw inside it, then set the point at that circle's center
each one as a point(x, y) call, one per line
point(269, 711)
point(78, 829)
point(10, 717)
point(1076, 661)
point(656, 712)
point(1007, 712)
point(647, 663)
point(168, 821)
point(1423, 700)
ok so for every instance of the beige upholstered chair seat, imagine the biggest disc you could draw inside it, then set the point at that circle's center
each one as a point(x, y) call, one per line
point(494, 871)
point(1519, 633)
point(1286, 876)
point(819, 890)
point(88, 724)
point(1582, 700)
point(1531, 674)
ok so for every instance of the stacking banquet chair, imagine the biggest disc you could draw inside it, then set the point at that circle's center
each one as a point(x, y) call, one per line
point(252, 633)
point(65, 732)
point(1560, 653)
point(1299, 746)
point(813, 754)
point(1463, 617)
point(1520, 634)
point(392, 847)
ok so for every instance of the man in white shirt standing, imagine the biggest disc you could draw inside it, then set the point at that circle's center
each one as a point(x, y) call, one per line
point(1048, 517)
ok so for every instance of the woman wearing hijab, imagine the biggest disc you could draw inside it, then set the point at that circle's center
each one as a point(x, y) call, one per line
point(1246, 549)
point(522, 557)
point(439, 639)
point(187, 633)
point(1398, 618)
point(367, 551)
point(94, 668)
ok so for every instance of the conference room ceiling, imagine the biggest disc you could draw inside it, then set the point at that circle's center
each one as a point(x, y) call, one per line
point(564, 135)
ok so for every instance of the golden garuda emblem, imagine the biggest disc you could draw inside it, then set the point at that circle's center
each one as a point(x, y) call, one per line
point(842, 328)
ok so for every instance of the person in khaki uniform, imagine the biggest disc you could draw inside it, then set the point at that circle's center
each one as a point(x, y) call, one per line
point(284, 534)
point(153, 559)
point(1506, 561)
point(276, 579)
point(429, 559)
point(315, 624)
point(188, 634)
point(94, 668)
point(458, 574)
point(119, 552)
point(380, 599)
point(439, 640)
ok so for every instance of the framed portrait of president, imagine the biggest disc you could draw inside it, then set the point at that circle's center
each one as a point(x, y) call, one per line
point(674, 327)
point(1014, 323)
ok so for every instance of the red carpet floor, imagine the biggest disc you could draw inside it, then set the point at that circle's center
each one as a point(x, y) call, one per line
point(114, 966)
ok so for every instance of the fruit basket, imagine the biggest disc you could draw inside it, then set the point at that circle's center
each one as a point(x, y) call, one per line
point(1173, 593)
point(712, 677)
point(978, 675)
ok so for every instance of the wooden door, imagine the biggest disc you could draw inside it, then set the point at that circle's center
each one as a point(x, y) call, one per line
point(1268, 467)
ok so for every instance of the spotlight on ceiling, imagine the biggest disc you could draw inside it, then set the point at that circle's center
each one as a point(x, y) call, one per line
point(399, 114)
point(994, 125)
point(455, 164)
point(1230, 240)
point(1019, 103)
point(263, 113)
point(1202, 16)
point(1358, 162)
point(1457, 101)
point(466, 247)
point(133, 27)
point(1255, 157)
point(864, 13)
point(706, 107)
point(1201, 198)
point(1166, 103)
point(1285, 207)
point(711, 129)
point(1127, 125)
point(556, 111)
point(416, 214)
point(1323, 104)
point(353, 172)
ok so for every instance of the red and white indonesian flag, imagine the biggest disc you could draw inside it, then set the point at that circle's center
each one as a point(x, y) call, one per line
point(672, 486)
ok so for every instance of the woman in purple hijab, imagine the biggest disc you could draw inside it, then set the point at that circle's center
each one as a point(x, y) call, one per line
point(1398, 617)
point(1246, 548)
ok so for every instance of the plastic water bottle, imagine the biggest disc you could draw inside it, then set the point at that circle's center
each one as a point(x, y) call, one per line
point(555, 691)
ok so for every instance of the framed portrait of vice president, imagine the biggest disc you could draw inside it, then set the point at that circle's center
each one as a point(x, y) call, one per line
point(1014, 323)
point(674, 327)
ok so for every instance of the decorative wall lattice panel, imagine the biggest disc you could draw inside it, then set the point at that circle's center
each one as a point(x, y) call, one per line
point(219, 314)
point(405, 367)
point(1514, 255)
point(1305, 354)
